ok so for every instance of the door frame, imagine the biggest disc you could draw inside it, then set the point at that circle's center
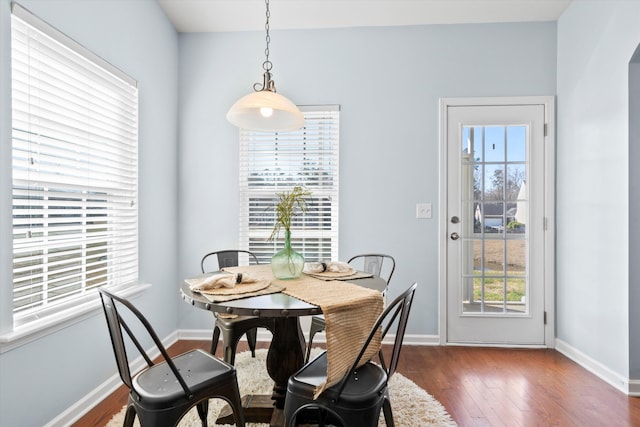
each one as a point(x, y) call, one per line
point(549, 206)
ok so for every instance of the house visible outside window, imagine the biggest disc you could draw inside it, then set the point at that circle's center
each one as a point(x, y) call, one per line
point(271, 163)
point(74, 145)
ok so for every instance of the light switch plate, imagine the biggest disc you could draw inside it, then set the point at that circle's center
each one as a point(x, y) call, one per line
point(423, 210)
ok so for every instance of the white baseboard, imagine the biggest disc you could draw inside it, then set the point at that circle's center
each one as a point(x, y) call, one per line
point(413, 339)
point(198, 334)
point(84, 405)
point(629, 387)
point(634, 388)
point(97, 395)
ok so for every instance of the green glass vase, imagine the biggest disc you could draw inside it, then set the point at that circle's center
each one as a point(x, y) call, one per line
point(287, 264)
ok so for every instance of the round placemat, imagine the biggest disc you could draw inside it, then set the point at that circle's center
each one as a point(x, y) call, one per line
point(240, 288)
point(334, 274)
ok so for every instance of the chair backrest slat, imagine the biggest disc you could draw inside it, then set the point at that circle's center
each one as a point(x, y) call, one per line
point(117, 340)
point(400, 330)
point(381, 265)
point(227, 258)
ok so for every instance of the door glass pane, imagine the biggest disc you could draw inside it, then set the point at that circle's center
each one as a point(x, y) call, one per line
point(493, 256)
point(471, 286)
point(516, 274)
point(516, 143)
point(470, 209)
point(494, 200)
point(493, 294)
point(494, 182)
point(470, 145)
point(518, 221)
point(494, 146)
point(493, 218)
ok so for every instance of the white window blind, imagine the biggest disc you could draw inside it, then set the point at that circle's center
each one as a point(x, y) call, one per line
point(74, 145)
point(271, 163)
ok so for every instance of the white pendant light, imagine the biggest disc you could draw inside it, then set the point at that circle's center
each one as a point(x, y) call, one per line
point(265, 110)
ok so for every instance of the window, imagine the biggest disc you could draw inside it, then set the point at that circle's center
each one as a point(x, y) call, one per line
point(271, 163)
point(74, 154)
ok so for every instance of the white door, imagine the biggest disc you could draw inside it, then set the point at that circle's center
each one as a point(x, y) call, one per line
point(495, 222)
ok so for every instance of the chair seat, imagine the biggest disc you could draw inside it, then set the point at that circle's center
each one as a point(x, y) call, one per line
point(202, 371)
point(318, 317)
point(247, 321)
point(232, 329)
point(363, 389)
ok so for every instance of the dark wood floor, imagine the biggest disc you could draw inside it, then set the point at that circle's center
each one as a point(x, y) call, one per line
point(486, 387)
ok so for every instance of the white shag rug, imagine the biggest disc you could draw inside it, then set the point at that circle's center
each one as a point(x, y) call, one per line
point(411, 405)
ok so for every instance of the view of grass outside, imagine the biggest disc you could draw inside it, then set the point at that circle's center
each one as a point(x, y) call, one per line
point(494, 288)
point(499, 273)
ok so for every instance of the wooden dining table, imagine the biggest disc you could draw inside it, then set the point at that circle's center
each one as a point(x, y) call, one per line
point(287, 349)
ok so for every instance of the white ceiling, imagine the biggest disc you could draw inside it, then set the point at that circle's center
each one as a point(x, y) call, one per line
point(249, 15)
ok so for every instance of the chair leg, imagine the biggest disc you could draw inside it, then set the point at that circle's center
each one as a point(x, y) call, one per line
point(388, 413)
point(252, 337)
point(234, 399)
point(215, 339)
point(229, 353)
point(322, 417)
point(306, 357)
point(203, 410)
point(129, 417)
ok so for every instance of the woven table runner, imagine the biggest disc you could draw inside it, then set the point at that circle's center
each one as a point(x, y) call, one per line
point(349, 311)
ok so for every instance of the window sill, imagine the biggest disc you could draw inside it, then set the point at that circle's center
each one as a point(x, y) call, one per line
point(37, 329)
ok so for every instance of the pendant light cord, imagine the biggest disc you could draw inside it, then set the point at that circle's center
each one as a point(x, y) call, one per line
point(267, 83)
point(267, 64)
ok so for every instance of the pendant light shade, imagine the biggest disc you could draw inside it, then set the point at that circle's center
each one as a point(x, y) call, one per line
point(265, 110)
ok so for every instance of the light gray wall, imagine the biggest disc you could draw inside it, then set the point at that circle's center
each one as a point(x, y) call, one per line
point(40, 380)
point(388, 82)
point(596, 40)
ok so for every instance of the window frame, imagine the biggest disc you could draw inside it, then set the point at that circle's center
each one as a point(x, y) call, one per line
point(34, 323)
point(312, 234)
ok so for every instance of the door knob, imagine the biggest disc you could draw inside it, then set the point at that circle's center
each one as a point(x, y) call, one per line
point(455, 236)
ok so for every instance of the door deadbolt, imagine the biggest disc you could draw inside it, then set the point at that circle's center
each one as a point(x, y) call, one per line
point(455, 220)
point(455, 236)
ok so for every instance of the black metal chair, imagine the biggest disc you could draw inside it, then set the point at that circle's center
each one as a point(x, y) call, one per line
point(360, 395)
point(380, 265)
point(162, 393)
point(233, 327)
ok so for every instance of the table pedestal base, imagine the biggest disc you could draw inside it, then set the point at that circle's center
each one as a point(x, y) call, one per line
point(258, 408)
point(285, 357)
